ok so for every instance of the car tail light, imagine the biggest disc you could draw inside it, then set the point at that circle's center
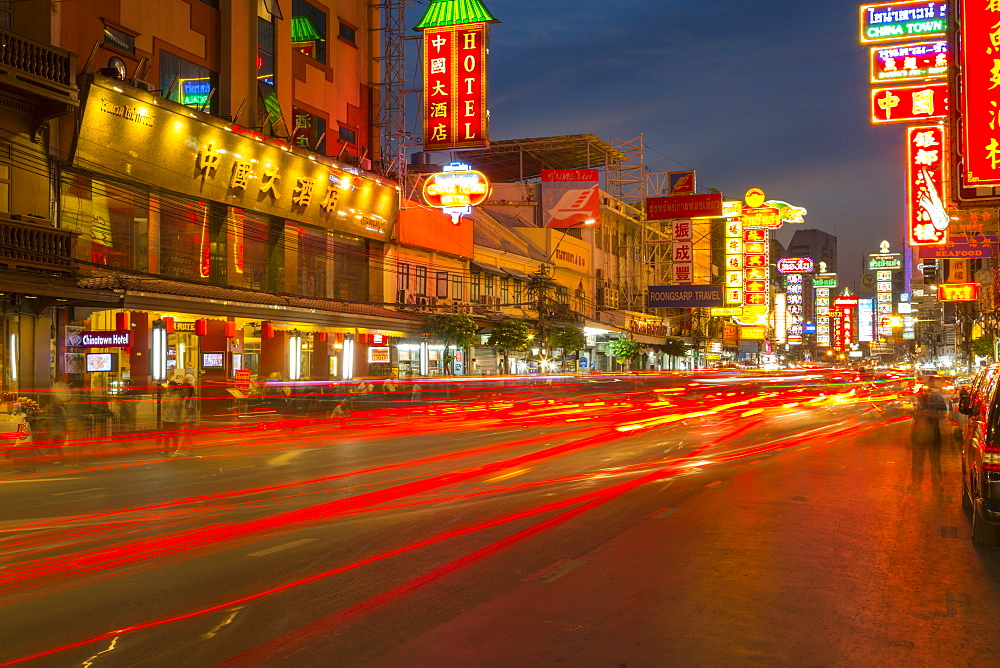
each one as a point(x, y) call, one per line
point(991, 457)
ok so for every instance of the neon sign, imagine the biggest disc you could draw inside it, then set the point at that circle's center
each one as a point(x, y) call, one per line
point(926, 217)
point(904, 104)
point(980, 94)
point(456, 190)
point(898, 21)
point(455, 113)
point(958, 292)
point(795, 265)
point(909, 62)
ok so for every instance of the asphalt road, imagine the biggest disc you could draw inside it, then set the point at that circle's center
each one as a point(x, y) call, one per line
point(772, 527)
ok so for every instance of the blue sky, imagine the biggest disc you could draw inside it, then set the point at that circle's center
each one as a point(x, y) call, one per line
point(750, 94)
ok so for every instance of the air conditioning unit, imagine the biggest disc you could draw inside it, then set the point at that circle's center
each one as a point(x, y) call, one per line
point(406, 297)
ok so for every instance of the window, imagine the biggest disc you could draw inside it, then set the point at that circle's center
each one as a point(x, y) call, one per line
point(265, 50)
point(6, 13)
point(441, 289)
point(402, 278)
point(420, 280)
point(307, 130)
point(488, 284)
point(193, 85)
point(347, 33)
point(347, 135)
point(309, 30)
point(518, 291)
point(118, 39)
point(474, 288)
point(562, 294)
point(311, 260)
point(456, 287)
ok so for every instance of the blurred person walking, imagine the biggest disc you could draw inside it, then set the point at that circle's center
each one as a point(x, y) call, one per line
point(930, 428)
point(172, 418)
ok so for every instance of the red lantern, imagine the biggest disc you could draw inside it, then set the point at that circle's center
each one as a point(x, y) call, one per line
point(340, 337)
point(201, 327)
point(267, 331)
point(362, 338)
point(168, 325)
point(321, 337)
point(230, 329)
point(121, 321)
point(379, 339)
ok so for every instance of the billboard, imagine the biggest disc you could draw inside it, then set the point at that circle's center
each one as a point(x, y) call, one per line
point(909, 104)
point(455, 113)
point(680, 183)
point(570, 203)
point(909, 62)
point(961, 248)
point(958, 292)
point(684, 206)
point(685, 296)
point(980, 93)
point(926, 218)
point(795, 265)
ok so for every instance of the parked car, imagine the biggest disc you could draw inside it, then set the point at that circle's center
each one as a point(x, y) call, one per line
point(981, 455)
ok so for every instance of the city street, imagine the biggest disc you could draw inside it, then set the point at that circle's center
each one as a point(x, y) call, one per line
point(776, 528)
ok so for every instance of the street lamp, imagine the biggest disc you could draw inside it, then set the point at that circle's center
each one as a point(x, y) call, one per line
point(579, 223)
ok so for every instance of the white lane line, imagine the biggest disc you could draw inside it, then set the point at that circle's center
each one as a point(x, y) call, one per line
point(14, 482)
point(279, 548)
point(286, 458)
point(79, 491)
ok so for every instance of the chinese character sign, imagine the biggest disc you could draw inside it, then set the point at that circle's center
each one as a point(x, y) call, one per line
point(927, 219)
point(905, 104)
point(909, 62)
point(980, 85)
point(756, 267)
point(455, 87)
point(734, 262)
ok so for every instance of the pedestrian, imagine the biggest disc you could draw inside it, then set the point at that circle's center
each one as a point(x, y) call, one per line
point(172, 419)
point(930, 428)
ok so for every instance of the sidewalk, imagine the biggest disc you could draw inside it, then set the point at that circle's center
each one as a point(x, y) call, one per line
point(815, 556)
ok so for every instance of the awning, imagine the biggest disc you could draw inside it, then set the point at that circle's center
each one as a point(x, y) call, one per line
point(520, 275)
point(487, 268)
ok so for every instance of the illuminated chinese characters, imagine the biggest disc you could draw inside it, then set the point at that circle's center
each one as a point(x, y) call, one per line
point(682, 251)
point(927, 219)
point(958, 292)
point(905, 104)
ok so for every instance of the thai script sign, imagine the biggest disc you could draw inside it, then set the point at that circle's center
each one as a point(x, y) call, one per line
point(684, 206)
point(795, 265)
point(899, 21)
point(909, 62)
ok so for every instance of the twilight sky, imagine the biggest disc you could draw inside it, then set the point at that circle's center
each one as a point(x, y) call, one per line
point(770, 94)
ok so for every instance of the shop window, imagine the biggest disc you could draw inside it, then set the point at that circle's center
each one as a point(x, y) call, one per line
point(562, 294)
point(402, 279)
point(185, 240)
point(112, 220)
point(265, 50)
point(456, 287)
point(348, 136)
point(420, 280)
point(350, 268)
point(6, 13)
point(309, 30)
point(118, 39)
point(308, 130)
point(192, 83)
point(311, 261)
point(441, 285)
point(347, 33)
point(250, 250)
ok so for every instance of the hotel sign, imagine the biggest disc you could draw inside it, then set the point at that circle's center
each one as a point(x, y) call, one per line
point(106, 339)
point(455, 113)
point(140, 136)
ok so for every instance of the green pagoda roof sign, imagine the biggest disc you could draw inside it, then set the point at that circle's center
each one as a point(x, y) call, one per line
point(455, 12)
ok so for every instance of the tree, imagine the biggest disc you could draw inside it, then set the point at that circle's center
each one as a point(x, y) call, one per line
point(675, 347)
point(452, 328)
point(624, 350)
point(508, 335)
point(982, 346)
point(568, 339)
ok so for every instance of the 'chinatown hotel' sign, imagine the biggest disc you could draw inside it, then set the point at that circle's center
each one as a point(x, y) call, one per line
point(455, 49)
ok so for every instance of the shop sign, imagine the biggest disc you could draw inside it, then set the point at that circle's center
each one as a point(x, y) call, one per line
point(241, 380)
point(753, 333)
point(795, 265)
point(684, 206)
point(953, 250)
point(906, 104)
point(681, 183)
point(887, 261)
point(958, 292)
point(455, 113)
point(763, 217)
point(106, 339)
point(647, 328)
point(756, 269)
point(456, 190)
point(379, 355)
point(927, 218)
point(379, 339)
point(683, 296)
point(570, 203)
point(825, 281)
point(845, 302)
point(156, 141)
point(899, 21)
point(980, 94)
point(909, 62)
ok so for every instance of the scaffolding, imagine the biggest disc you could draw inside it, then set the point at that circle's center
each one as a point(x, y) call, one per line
point(391, 119)
point(646, 247)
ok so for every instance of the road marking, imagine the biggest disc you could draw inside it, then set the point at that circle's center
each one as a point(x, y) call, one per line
point(79, 491)
point(504, 476)
point(14, 482)
point(285, 458)
point(279, 548)
point(718, 483)
point(557, 571)
point(664, 512)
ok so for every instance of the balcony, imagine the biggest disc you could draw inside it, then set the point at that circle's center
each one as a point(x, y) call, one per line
point(35, 246)
point(37, 72)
